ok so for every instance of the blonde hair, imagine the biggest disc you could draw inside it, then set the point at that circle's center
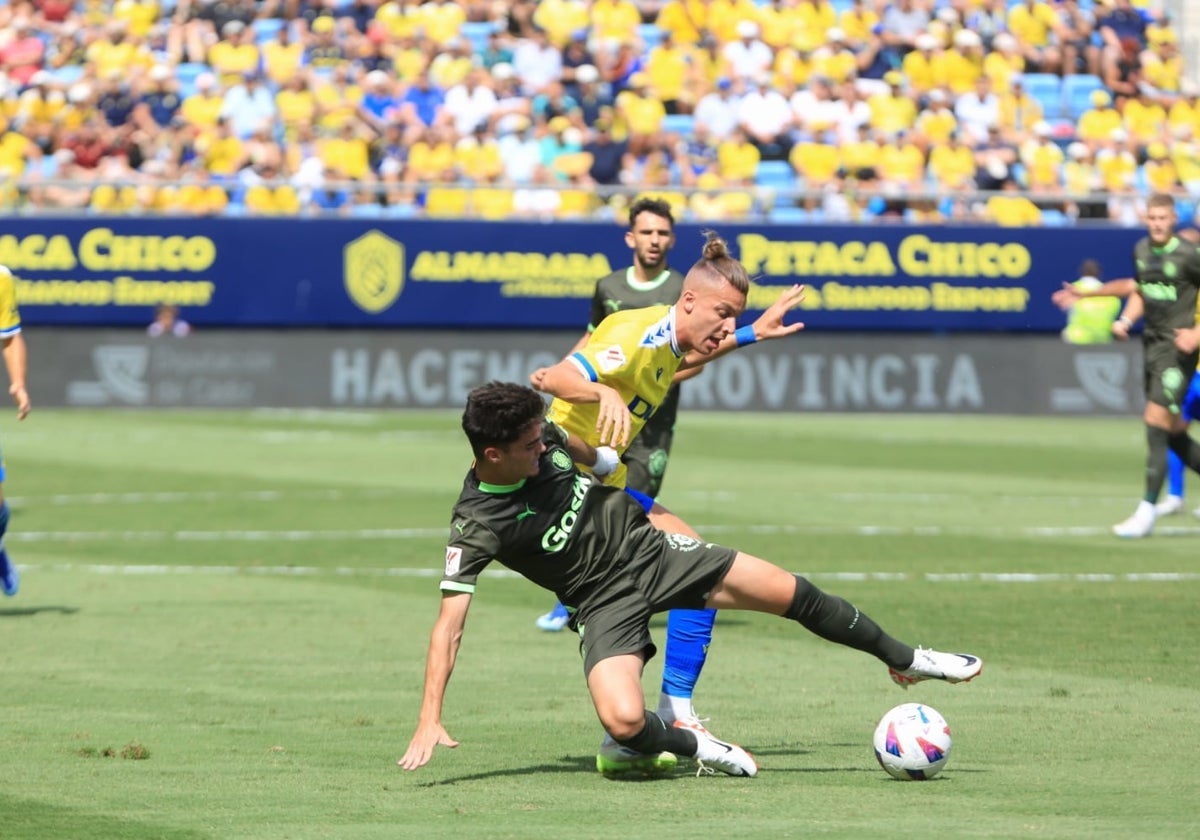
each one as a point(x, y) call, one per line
point(717, 263)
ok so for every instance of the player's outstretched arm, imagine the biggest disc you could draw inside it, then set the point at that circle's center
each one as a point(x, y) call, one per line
point(1065, 297)
point(565, 382)
point(768, 325)
point(1134, 308)
point(444, 642)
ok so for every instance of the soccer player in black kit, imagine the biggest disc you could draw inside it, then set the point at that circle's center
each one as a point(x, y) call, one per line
point(1163, 291)
point(526, 504)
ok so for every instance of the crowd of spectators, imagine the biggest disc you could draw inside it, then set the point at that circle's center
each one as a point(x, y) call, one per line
point(568, 109)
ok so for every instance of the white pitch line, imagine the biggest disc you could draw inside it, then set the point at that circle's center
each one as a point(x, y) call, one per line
point(355, 571)
point(182, 497)
point(303, 535)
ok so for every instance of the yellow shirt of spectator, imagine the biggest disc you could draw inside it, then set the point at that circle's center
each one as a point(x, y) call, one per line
point(901, 162)
point(1080, 177)
point(1144, 120)
point(1182, 113)
point(202, 110)
point(1098, 124)
point(816, 18)
point(858, 155)
point(296, 107)
point(139, 15)
point(1186, 157)
point(1163, 74)
point(1019, 113)
point(683, 19)
point(892, 113)
point(441, 21)
point(1161, 175)
point(10, 317)
point(1043, 163)
point(200, 199)
point(267, 201)
point(409, 63)
point(1001, 68)
point(779, 26)
point(1013, 211)
point(447, 202)
point(346, 155)
point(857, 22)
point(1117, 168)
point(223, 155)
point(935, 125)
point(792, 67)
point(738, 159)
point(448, 70)
point(117, 60)
point(430, 162)
point(14, 148)
point(642, 114)
point(634, 352)
point(233, 61)
point(818, 163)
point(918, 66)
point(400, 21)
point(561, 19)
point(957, 71)
point(337, 103)
point(480, 162)
point(615, 20)
point(837, 65)
point(668, 69)
point(1032, 22)
point(282, 61)
point(725, 15)
point(952, 165)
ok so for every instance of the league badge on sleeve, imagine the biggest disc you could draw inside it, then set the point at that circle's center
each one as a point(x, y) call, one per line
point(453, 559)
point(610, 359)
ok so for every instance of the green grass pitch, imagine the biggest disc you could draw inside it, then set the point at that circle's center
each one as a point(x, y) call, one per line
point(223, 620)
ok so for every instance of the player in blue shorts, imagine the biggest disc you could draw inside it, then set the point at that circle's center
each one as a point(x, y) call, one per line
point(1189, 409)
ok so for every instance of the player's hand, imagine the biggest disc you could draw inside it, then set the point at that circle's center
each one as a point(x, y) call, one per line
point(1065, 297)
point(1120, 330)
point(613, 421)
point(1187, 340)
point(538, 378)
point(770, 323)
point(420, 748)
point(21, 398)
point(607, 460)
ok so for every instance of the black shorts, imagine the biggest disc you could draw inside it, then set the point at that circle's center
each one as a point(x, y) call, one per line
point(646, 458)
point(616, 620)
point(1167, 374)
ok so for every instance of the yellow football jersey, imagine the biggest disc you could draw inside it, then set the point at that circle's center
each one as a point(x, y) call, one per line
point(10, 319)
point(634, 352)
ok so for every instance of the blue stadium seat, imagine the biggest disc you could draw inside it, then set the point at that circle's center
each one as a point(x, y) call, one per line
point(1077, 93)
point(1046, 88)
point(650, 34)
point(678, 124)
point(790, 215)
point(477, 33)
point(186, 73)
point(1054, 218)
point(67, 75)
point(265, 29)
point(775, 173)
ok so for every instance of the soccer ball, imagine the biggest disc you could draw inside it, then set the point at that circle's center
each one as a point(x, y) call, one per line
point(912, 742)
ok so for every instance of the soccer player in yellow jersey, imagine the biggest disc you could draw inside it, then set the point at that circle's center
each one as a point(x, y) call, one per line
point(14, 361)
point(605, 392)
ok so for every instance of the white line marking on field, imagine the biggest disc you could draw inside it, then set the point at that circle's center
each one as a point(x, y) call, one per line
point(301, 535)
point(181, 497)
point(401, 572)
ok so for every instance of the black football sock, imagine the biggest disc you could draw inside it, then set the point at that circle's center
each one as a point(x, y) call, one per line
point(656, 736)
point(1186, 448)
point(837, 620)
point(1157, 443)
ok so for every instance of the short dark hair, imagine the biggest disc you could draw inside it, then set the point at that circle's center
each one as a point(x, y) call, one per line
point(655, 206)
point(1091, 268)
point(498, 413)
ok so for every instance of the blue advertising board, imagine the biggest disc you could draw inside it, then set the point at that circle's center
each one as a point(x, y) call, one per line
point(501, 275)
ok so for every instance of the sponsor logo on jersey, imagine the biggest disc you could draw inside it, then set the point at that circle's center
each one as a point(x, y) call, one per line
point(453, 559)
point(610, 359)
point(555, 539)
point(682, 542)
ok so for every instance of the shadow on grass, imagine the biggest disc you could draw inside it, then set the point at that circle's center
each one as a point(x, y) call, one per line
point(24, 612)
point(26, 819)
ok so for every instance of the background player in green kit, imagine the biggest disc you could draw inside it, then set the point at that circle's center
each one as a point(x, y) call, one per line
point(649, 281)
point(1163, 291)
point(526, 504)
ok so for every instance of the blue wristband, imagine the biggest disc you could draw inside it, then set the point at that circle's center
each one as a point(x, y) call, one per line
point(744, 336)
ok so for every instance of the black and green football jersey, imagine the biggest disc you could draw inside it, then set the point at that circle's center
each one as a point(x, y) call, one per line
point(561, 529)
point(1168, 277)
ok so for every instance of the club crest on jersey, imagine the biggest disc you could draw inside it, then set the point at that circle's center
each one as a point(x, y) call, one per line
point(682, 542)
point(610, 359)
point(453, 559)
point(561, 460)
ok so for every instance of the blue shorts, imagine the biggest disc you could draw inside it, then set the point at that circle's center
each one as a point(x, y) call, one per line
point(1191, 401)
point(642, 499)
